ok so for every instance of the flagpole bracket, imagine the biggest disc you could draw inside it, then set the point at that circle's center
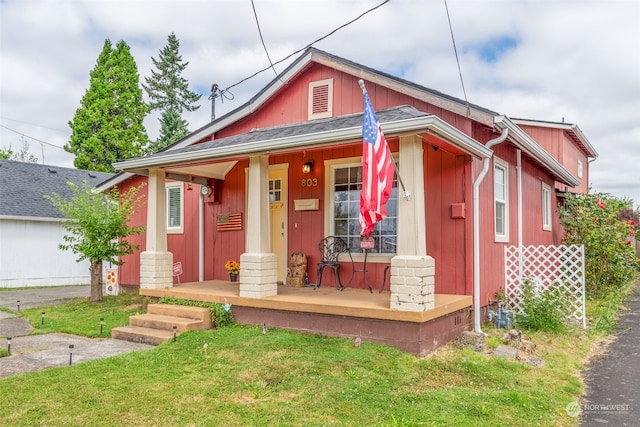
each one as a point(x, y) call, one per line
point(406, 195)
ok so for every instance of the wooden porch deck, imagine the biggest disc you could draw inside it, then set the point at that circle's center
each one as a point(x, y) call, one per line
point(326, 310)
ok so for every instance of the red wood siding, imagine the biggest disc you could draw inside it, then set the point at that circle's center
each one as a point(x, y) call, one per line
point(290, 105)
point(445, 177)
point(564, 150)
point(129, 272)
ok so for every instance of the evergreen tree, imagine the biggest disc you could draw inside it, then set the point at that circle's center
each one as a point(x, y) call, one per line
point(172, 128)
point(108, 126)
point(169, 93)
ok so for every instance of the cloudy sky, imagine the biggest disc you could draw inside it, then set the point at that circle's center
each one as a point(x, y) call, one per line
point(577, 60)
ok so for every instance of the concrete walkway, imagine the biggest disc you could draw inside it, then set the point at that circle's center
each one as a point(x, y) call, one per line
point(613, 382)
point(36, 352)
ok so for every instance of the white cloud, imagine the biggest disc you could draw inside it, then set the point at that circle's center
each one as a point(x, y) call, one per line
point(578, 60)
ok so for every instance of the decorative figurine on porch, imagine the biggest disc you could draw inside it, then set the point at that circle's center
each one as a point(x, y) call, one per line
point(297, 270)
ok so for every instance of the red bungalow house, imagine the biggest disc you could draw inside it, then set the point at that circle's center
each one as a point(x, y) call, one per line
point(236, 189)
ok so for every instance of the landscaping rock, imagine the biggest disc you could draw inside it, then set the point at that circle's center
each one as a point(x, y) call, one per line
point(506, 351)
point(513, 336)
point(534, 361)
point(470, 339)
point(526, 349)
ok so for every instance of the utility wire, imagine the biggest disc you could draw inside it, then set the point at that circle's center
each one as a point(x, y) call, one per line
point(464, 92)
point(307, 46)
point(262, 38)
point(31, 137)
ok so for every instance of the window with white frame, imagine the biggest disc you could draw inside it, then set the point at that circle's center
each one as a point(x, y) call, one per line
point(175, 207)
point(546, 207)
point(343, 192)
point(580, 169)
point(501, 199)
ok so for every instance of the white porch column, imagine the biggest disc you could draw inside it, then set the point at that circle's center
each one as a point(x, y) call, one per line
point(258, 267)
point(156, 263)
point(412, 270)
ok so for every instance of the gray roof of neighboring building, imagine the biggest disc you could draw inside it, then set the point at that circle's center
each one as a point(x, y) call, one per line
point(23, 185)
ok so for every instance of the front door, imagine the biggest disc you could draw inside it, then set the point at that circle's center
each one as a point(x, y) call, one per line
point(278, 217)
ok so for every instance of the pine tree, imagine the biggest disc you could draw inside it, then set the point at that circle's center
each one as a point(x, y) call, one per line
point(172, 128)
point(108, 126)
point(169, 93)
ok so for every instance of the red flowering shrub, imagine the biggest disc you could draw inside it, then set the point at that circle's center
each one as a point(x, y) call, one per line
point(606, 226)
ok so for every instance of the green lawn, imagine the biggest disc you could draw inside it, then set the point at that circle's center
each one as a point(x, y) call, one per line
point(237, 376)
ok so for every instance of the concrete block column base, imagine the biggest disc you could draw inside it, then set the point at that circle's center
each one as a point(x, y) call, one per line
point(156, 270)
point(412, 283)
point(258, 275)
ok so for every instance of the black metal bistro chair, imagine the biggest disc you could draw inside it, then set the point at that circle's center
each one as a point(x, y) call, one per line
point(330, 249)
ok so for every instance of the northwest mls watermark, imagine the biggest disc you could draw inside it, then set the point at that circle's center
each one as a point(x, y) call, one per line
point(574, 409)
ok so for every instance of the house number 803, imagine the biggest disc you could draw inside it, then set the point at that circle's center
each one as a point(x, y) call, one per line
point(311, 182)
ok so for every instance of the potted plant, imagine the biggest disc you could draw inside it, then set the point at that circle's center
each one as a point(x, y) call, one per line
point(233, 267)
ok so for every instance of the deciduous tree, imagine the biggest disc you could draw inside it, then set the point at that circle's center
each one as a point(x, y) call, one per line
point(97, 226)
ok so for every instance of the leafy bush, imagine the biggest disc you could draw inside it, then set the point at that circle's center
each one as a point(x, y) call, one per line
point(544, 310)
point(220, 313)
point(606, 228)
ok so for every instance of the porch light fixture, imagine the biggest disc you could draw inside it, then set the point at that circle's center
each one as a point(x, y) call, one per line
point(307, 167)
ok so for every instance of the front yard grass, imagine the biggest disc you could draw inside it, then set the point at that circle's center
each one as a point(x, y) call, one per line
point(238, 376)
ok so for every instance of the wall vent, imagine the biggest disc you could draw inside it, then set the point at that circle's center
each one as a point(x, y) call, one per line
point(321, 99)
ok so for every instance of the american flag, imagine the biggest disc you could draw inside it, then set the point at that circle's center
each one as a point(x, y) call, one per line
point(377, 171)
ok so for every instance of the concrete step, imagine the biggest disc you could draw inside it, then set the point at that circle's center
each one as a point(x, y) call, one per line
point(166, 323)
point(156, 326)
point(141, 335)
point(181, 311)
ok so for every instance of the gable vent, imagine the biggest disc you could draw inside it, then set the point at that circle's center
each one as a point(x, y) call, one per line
point(321, 99)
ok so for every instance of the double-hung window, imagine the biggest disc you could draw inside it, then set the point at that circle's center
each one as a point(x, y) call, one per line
point(501, 200)
point(343, 192)
point(546, 207)
point(175, 207)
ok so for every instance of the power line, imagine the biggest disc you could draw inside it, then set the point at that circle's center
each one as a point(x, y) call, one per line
point(31, 137)
point(308, 46)
point(31, 124)
point(464, 92)
point(262, 38)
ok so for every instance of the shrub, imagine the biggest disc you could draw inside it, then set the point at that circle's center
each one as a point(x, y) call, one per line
point(602, 224)
point(221, 315)
point(544, 310)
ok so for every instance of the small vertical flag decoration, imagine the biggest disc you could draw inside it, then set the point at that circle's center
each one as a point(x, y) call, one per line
point(377, 170)
point(357, 341)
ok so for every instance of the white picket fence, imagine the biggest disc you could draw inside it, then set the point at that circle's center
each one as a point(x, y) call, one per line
point(561, 266)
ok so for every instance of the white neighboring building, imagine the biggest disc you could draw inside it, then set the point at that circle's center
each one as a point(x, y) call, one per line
point(31, 227)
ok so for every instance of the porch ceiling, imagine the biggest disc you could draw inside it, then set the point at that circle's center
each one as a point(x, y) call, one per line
point(190, 172)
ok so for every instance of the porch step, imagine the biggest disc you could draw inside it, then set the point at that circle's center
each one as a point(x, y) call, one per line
point(141, 335)
point(156, 326)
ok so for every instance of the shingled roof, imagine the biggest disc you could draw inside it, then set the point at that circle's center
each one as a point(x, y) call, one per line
point(23, 185)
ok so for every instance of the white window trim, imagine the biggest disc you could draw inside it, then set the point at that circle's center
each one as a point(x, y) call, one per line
point(580, 169)
point(329, 112)
point(546, 207)
point(329, 167)
point(502, 238)
point(171, 185)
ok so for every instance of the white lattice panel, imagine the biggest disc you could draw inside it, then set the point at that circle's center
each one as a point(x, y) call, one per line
point(560, 265)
